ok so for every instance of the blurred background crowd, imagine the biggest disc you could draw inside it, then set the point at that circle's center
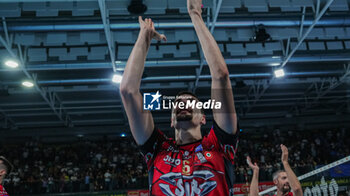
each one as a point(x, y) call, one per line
point(114, 164)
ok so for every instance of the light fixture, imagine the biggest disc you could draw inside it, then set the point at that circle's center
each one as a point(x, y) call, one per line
point(274, 64)
point(11, 63)
point(27, 84)
point(279, 73)
point(122, 135)
point(117, 78)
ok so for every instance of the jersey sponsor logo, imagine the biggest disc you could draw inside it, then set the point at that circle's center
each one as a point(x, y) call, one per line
point(188, 187)
point(171, 161)
point(148, 157)
point(186, 155)
point(229, 149)
point(200, 157)
point(208, 155)
point(172, 149)
point(199, 148)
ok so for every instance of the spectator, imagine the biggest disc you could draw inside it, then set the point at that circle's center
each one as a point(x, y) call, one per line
point(108, 176)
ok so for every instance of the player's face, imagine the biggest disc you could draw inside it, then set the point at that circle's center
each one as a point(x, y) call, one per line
point(2, 171)
point(182, 114)
point(283, 183)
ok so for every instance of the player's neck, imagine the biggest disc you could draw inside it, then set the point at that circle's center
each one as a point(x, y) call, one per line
point(186, 136)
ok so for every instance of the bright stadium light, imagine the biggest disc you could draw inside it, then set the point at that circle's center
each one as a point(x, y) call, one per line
point(117, 78)
point(27, 84)
point(279, 73)
point(11, 63)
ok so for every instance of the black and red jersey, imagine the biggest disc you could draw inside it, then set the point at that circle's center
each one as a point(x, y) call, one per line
point(204, 167)
point(3, 191)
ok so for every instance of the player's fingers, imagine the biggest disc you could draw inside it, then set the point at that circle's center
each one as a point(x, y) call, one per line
point(140, 18)
point(164, 38)
point(284, 147)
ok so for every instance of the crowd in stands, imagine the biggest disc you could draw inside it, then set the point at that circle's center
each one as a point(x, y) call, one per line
point(82, 166)
point(117, 164)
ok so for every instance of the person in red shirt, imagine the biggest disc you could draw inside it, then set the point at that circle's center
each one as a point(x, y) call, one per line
point(286, 182)
point(193, 163)
point(5, 168)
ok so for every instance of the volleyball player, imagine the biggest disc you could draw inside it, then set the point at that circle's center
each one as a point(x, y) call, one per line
point(5, 169)
point(286, 182)
point(192, 163)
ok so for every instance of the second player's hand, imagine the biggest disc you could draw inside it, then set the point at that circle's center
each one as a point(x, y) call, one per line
point(194, 7)
point(251, 165)
point(158, 36)
point(284, 157)
point(147, 27)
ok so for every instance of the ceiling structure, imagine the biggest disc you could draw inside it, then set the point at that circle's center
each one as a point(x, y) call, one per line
point(71, 49)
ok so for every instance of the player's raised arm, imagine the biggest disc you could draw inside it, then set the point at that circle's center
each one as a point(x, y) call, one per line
point(221, 91)
point(141, 122)
point(292, 178)
point(254, 185)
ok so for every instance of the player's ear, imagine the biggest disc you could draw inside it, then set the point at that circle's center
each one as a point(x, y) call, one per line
point(275, 181)
point(2, 172)
point(203, 120)
point(172, 119)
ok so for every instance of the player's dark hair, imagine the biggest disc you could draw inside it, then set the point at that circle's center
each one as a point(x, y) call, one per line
point(7, 165)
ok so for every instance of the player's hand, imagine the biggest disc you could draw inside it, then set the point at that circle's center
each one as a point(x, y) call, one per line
point(158, 36)
point(284, 157)
point(147, 27)
point(253, 167)
point(194, 7)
